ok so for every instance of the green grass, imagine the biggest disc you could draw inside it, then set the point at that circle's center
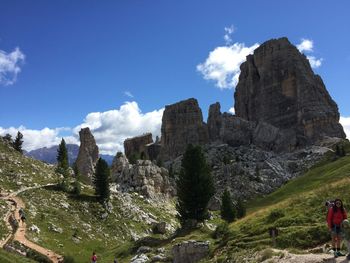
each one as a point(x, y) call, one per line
point(18, 171)
point(6, 257)
point(105, 236)
point(321, 175)
point(4, 231)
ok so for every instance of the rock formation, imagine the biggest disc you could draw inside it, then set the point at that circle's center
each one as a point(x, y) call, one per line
point(190, 251)
point(136, 146)
point(88, 155)
point(144, 177)
point(278, 86)
point(182, 124)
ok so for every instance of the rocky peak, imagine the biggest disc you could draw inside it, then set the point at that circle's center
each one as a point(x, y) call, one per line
point(88, 154)
point(136, 146)
point(277, 86)
point(182, 124)
point(214, 122)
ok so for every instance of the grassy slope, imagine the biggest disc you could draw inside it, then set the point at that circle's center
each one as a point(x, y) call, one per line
point(296, 209)
point(6, 257)
point(83, 219)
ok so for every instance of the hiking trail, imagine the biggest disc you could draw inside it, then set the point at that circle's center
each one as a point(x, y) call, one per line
point(15, 203)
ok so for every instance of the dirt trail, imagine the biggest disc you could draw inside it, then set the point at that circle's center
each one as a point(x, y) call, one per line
point(305, 258)
point(17, 203)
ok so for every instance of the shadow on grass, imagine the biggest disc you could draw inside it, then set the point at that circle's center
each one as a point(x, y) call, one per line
point(82, 197)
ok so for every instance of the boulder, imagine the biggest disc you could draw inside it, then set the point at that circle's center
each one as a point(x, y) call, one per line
point(190, 251)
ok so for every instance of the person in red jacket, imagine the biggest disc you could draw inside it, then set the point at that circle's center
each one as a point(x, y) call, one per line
point(335, 217)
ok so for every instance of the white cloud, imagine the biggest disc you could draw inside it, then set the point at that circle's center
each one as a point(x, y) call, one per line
point(222, 64)
point(34, 139)
point(345, 121)
point(232, 110)
point(315, 62)
point(128, 94)
point(228, 32)
point(10, 66)
point(111, 128)
point(306, 45)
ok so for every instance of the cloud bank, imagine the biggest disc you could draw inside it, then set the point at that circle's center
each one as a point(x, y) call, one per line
point(110, 129)
point(10, 66)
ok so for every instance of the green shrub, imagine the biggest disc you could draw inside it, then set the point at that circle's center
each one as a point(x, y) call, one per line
point(221, 230)
point(68, 259)
point(274, 215)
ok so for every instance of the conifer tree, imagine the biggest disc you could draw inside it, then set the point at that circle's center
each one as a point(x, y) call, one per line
point(240, 208)
point(101, 180)
point(228, 212)
point(8, 138)
point(17, 144)
point(62, 159)
point(195, 185)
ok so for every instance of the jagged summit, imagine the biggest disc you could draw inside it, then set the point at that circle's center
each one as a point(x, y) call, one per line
point(278, 86)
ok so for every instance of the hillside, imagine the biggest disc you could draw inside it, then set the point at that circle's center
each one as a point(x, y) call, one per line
point(296, 209)
point(67, 224)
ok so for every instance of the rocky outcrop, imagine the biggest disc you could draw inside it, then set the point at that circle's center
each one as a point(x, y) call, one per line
point(136, 146)
point(144, 177)
point(182, 124)
point(190, 251)
point(214, 122)
point(249, 171)
point(277, 86)
point(87, 156)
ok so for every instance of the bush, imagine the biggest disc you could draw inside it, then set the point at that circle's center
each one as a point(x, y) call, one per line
point(221, 230)
point(32, 254)
point(274, 215)
point(68, 259)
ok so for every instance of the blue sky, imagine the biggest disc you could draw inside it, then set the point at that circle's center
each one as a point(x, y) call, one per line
point(68, 64)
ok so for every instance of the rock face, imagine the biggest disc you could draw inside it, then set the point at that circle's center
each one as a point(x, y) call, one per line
point(144, 177)
point(136, 146)
point(182, 124)
point(88, 155)
point(190, 251)
point(278, 86)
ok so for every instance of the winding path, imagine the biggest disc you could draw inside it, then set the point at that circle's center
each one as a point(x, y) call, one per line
point(16, 203)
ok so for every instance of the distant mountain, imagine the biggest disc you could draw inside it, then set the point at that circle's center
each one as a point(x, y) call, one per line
point(49, 154)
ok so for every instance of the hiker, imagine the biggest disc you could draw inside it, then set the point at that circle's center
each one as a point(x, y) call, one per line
point(93, 257)
point(346, 235)
point(115, 260)
point(335, 217)
point(22, 215)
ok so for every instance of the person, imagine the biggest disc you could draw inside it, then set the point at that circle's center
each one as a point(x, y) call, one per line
point(345, 225)
point(93, 257)
point(335, 217)
point(115, 260)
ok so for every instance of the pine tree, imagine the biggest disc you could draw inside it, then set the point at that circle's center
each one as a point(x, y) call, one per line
point(240, 208)
point(228, 212)
point(8, 138)
point(195, 185)
point(101, 180)
point(62, 159)
point(17, 144)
